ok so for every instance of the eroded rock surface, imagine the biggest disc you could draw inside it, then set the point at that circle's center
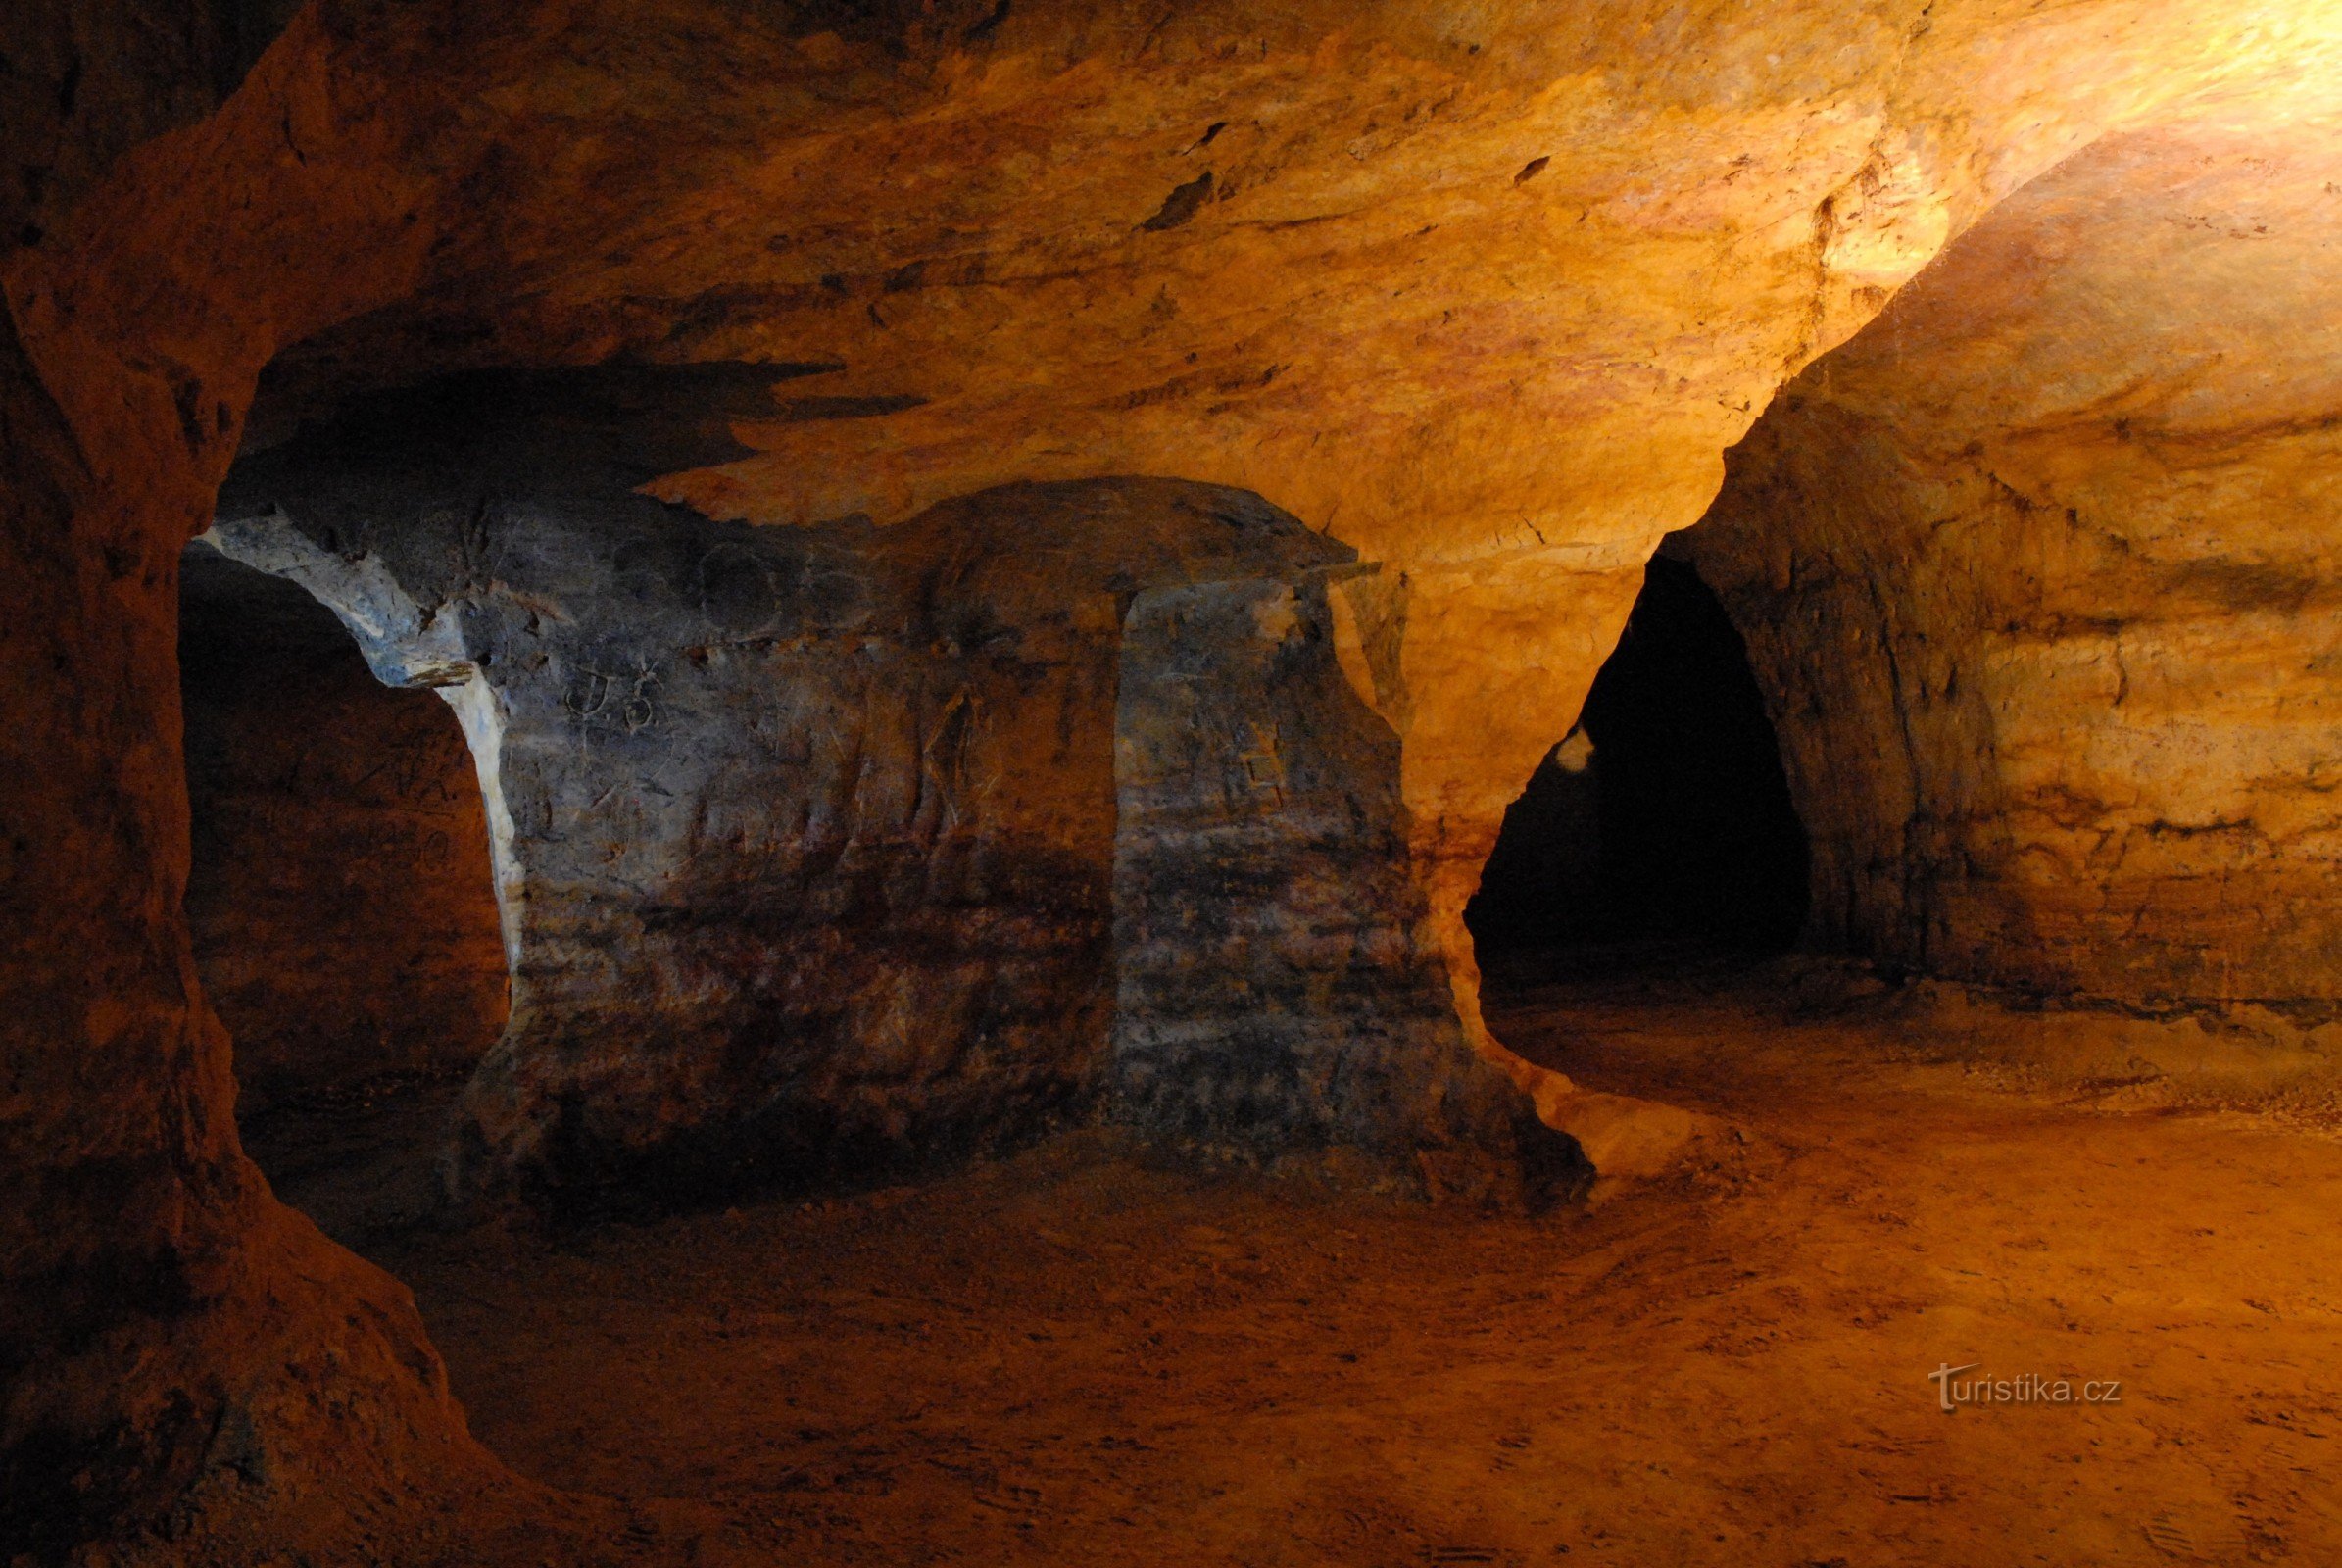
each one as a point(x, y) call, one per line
point(1482, 291)
point(1273, 988)
point(2041, 570)
point(174, 1345)
point(340, 901)
point(807, 839)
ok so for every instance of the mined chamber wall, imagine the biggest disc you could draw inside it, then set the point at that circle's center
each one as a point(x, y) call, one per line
point(2039, 572)
point(807, 837)
point(340, 898)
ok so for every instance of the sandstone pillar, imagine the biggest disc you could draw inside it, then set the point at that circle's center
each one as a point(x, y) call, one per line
point(169, 1334)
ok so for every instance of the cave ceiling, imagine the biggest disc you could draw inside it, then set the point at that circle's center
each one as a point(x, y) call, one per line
point(1448, 280)
point(1482, 292)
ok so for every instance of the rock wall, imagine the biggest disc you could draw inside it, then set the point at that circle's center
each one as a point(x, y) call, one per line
point(1272, 990)
point(174, 1343)
point(806, 838)
point(1482, 291)
point(340, 899)
point(2041, 571)
point(82, 81)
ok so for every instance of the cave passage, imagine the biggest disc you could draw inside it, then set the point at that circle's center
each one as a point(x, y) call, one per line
point(758, 802)
point(1664, 816)
point(340, 898)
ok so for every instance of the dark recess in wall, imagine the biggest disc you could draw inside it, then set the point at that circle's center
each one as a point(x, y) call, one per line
point(1679, 826)
point(340, 897)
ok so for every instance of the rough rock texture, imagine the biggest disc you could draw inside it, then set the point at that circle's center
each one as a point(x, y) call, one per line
point(1484, 292)
point(2042, 571)
point(173, 1342)
point(807, 839)
point(84, 82)
point(1071, 239)
point(80, 83)
point(340, 901)
point(1271, 988)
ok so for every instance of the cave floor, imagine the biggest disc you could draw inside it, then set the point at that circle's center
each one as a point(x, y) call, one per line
point(1082, 1355)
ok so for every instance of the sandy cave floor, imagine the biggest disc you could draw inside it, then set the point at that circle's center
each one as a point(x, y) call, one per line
point(1084, 1355)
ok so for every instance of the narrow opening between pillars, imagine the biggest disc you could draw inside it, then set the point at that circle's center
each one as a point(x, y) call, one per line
point(1662, 820)
point(340, 898)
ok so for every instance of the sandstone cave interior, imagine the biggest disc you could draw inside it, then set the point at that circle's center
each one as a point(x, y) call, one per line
point(1047, 781)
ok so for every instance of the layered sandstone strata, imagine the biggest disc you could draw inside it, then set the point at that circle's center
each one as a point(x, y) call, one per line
point(2040, 571)
point(836, 847)
point(1272, 987)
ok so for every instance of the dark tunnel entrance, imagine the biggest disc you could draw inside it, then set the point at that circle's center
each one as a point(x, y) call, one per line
point(1664, 817)
point(340, 898)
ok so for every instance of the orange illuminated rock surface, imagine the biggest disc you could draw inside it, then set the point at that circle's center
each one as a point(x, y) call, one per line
point(1480, 293)
point(2040, 568)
